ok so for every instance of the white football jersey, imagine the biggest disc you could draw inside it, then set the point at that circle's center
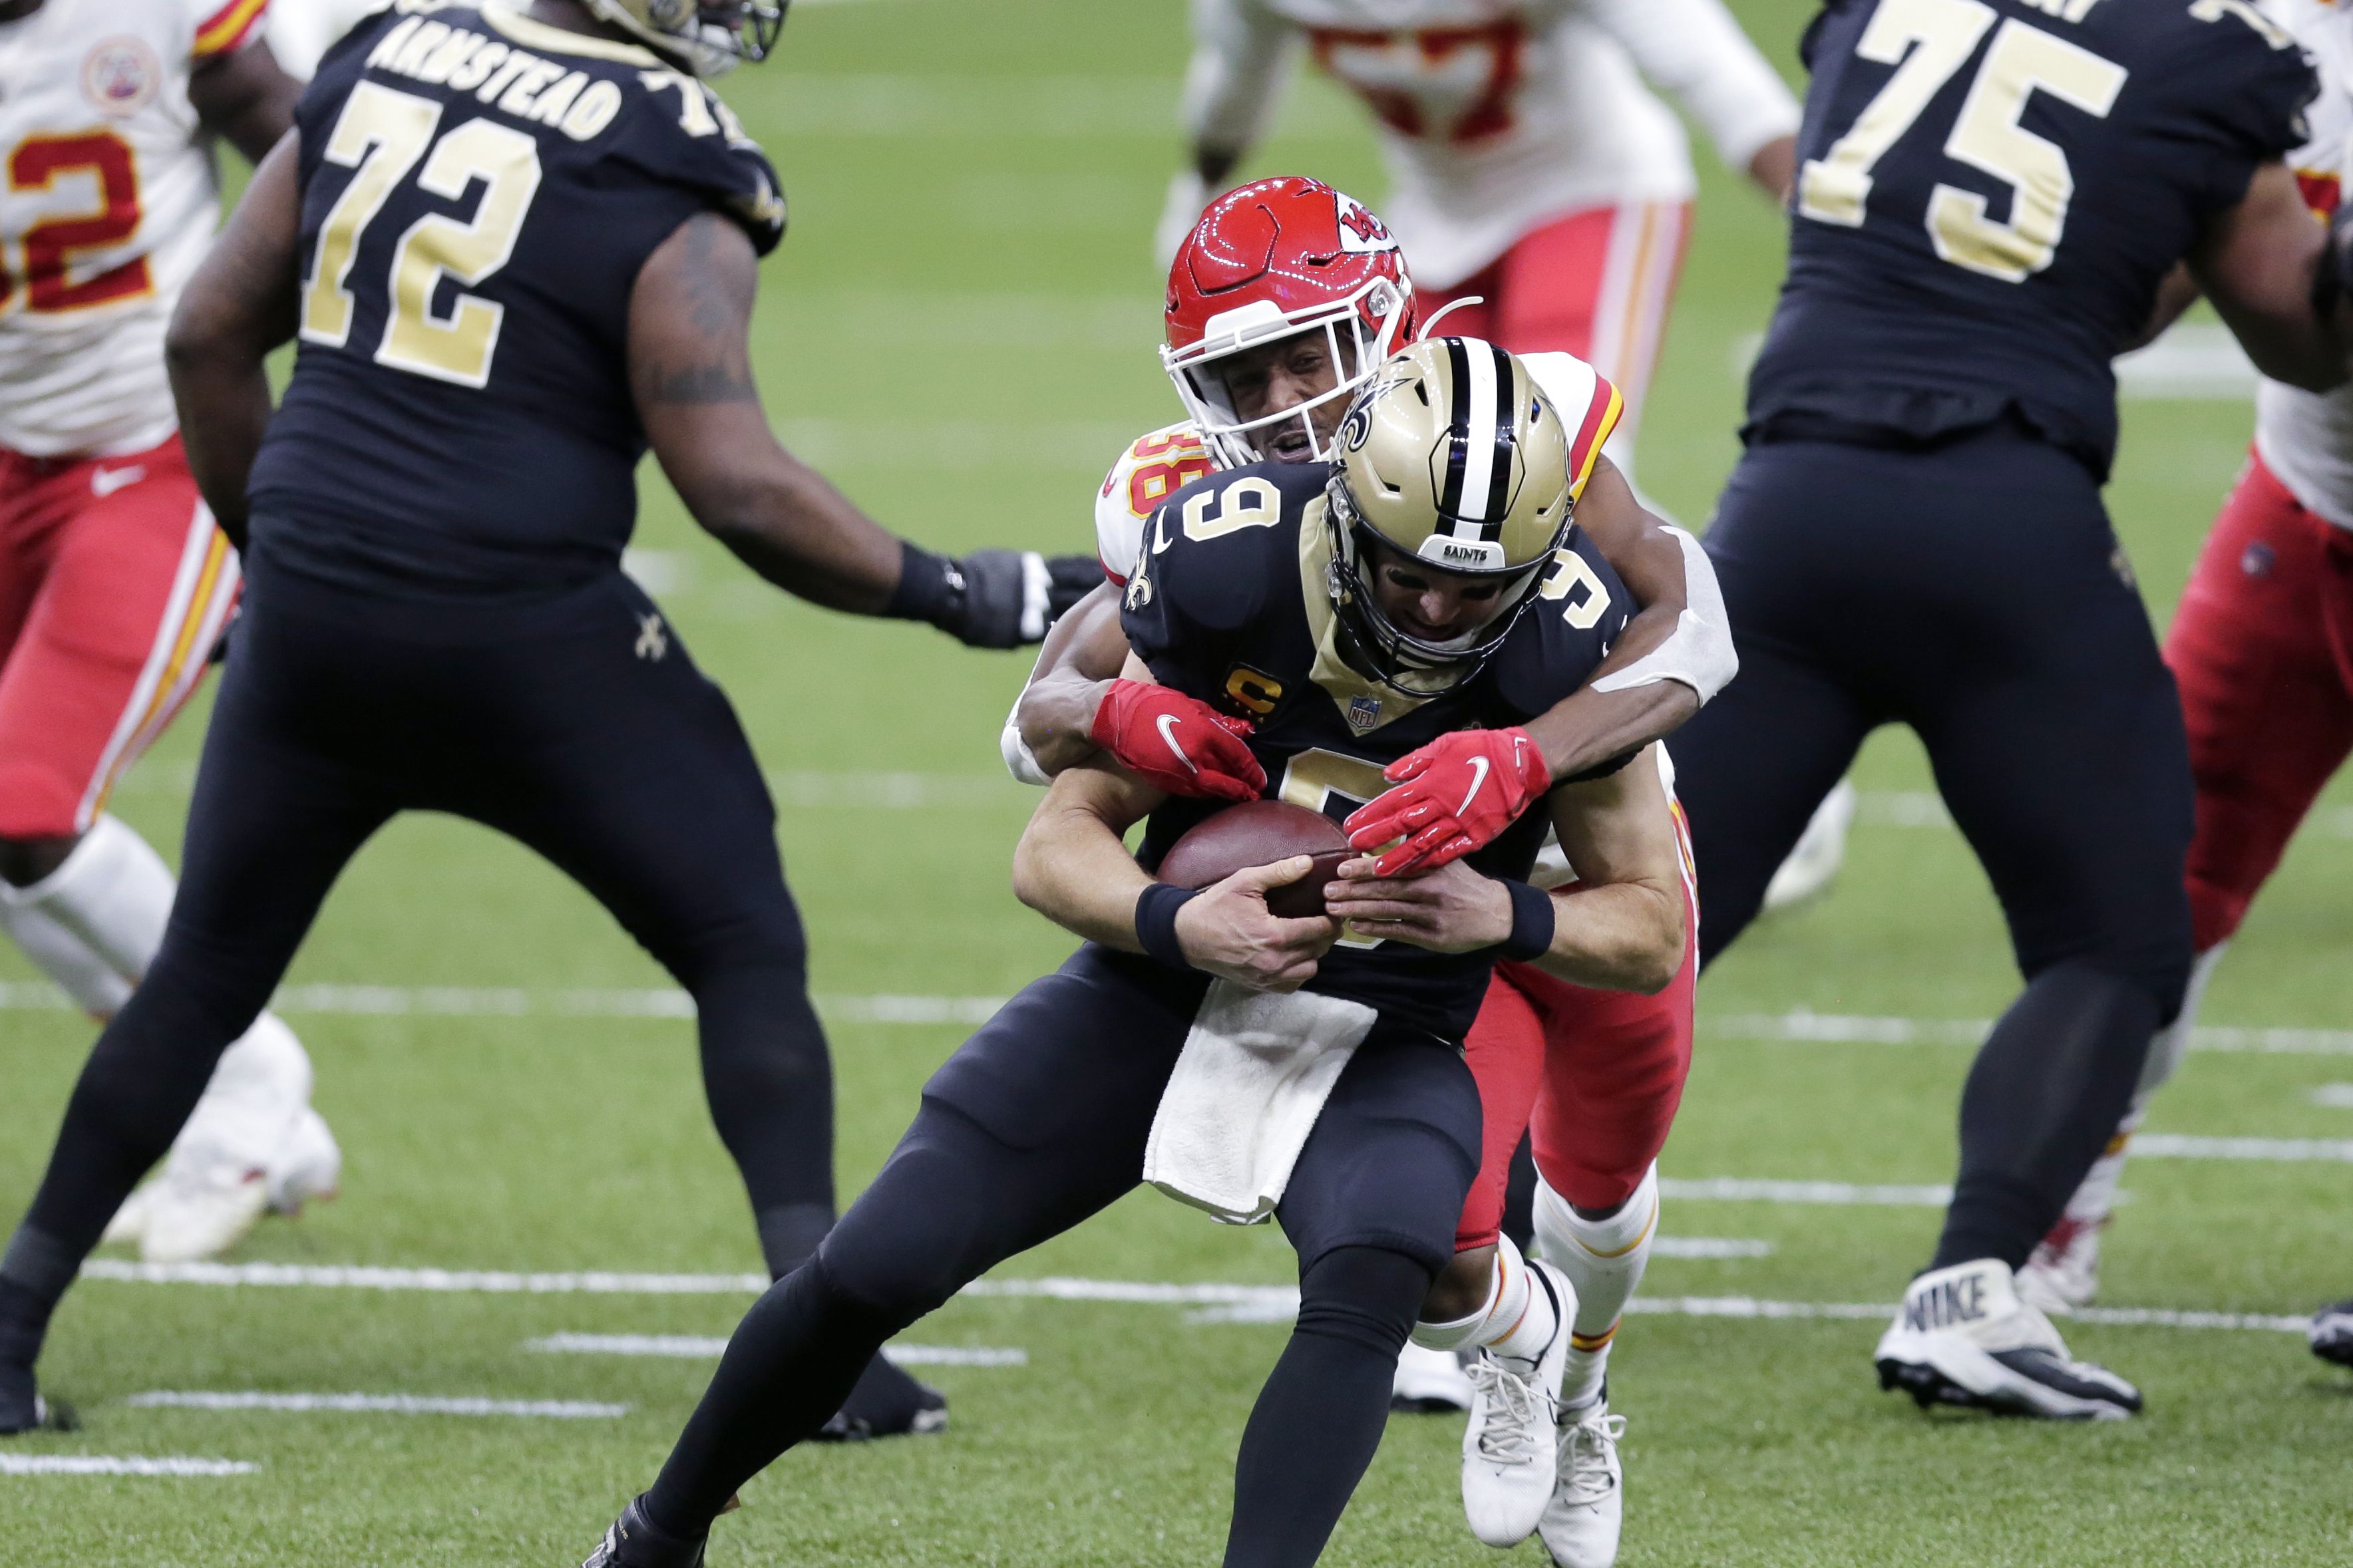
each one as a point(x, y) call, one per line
point(302, 31)
point(2307, 437)
point(109, 206)
point(1499, 115)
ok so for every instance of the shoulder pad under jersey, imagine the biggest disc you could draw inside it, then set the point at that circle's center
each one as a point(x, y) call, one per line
point(1588, 406)
point(1153, 468)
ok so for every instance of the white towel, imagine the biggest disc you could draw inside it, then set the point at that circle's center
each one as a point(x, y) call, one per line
point(1245, 1093)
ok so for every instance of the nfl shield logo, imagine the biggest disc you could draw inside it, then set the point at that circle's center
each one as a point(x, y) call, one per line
point(1364, 712)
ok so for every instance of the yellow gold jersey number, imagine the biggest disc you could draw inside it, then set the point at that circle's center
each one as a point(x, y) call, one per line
point(1335, 786)
point(380, 136)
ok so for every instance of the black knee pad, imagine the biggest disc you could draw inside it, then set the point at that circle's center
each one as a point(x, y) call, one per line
point(1367, 1295)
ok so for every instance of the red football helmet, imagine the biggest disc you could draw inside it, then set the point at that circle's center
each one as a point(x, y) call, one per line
point(1272, 259)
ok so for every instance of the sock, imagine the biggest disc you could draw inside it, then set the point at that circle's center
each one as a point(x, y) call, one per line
point(2095, 1198)
point(788, 1367)
point(112, 895)
point(1604, 1258)
point(789, 1232)
point(1319, 1416)
point(70, 962)
point(2046, 1093)
point(1519, 1319)
point(34, 1273)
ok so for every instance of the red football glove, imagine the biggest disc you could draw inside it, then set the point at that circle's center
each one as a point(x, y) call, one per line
point(1179, 744)
point(1453, 796)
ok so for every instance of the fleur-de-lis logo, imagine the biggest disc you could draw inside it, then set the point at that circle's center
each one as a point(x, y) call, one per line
point(653, 639)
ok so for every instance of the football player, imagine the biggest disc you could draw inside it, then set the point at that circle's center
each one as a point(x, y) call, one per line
point(1370, 604)
point(1534, 178)
point(1264, 353)
point(115, 585)
point(2262, 648)
point(518, 245)
point(1991, 194)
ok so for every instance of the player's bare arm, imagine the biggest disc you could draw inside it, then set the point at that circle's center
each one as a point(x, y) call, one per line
point(1620, 927)
point(237, 308)
point(1601, 720)
point(2257, 262)
point(1072, 867)
point(690, 375)
point(1081, 657)
point(246, 97)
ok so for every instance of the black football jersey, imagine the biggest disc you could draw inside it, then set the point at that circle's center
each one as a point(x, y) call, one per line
point(1989, 194)
point(480, 191)
point(1227, 603)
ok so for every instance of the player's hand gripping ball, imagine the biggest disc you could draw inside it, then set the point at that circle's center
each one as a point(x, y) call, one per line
point(1260, 834)
point(1178, 743)
point(1453, 796)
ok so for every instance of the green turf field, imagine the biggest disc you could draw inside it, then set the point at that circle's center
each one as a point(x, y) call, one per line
point(959, 329)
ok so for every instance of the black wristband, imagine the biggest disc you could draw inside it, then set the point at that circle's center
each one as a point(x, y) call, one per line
point(1155, 922)
point(1533, 919)
point(929, 588)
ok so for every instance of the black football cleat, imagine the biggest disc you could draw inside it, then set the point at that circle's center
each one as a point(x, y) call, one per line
point(2331, 1334)
point(22, 1408)
point(634, 1542)
point(887, 1403)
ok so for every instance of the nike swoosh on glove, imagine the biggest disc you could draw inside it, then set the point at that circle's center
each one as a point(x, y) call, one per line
point(1178, 743)
point(1453, 796)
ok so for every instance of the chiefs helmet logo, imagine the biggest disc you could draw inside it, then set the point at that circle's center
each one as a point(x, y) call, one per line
point(1361, 233)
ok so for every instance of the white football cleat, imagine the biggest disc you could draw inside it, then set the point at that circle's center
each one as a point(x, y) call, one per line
point(1512, 1447)
point(1964, 1337)
point(130, 1222)
point(2063, 1275)
point(1428, 1381)
point(307, 1166)
point(1580, 1524)
point(215, 1183)
point(1813, 863)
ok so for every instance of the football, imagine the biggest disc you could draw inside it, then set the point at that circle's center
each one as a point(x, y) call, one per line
point(1259, 833)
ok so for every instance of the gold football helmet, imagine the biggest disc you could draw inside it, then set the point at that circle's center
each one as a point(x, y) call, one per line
point(709, 37)
point(1453, 456)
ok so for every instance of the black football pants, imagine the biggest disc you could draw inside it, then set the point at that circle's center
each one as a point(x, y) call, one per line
point(1974, 592)
point(1038, 1121)
point(575, 724)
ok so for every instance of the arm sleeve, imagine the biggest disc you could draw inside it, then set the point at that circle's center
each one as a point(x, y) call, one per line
point(1695, 50)
point(1699, 651)
point(225, 26)
point(1242, 55)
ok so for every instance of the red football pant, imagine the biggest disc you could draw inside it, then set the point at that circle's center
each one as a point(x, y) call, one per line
point(2263, 650)
point(1596, 284)
point(114, 587)
point(1591, 1077)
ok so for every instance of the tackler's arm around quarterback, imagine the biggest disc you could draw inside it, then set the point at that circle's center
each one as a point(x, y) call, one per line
point(690, 377)
point(235, 309)
point(1072, 867)
point(1673, 656)
point(1621, 926)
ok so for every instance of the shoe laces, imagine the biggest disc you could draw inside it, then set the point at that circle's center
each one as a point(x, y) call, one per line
point(1511, 1413)
point(1585, 1475)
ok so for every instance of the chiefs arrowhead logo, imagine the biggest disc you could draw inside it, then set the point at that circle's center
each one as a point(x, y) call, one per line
point(1361, 233)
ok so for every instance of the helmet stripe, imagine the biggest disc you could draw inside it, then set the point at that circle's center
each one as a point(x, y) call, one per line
point(1474, 421)
point(1458, 366)
point(1507, 409)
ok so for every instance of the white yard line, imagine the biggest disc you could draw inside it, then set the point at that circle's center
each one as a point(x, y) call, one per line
point(2334, 1096)
point(380, 1405)
point(461, 1281)
point(1740, 1189)
point(702, 1347)
point(2185, 1146)
point(1801, 1027)
point(112, 1465)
